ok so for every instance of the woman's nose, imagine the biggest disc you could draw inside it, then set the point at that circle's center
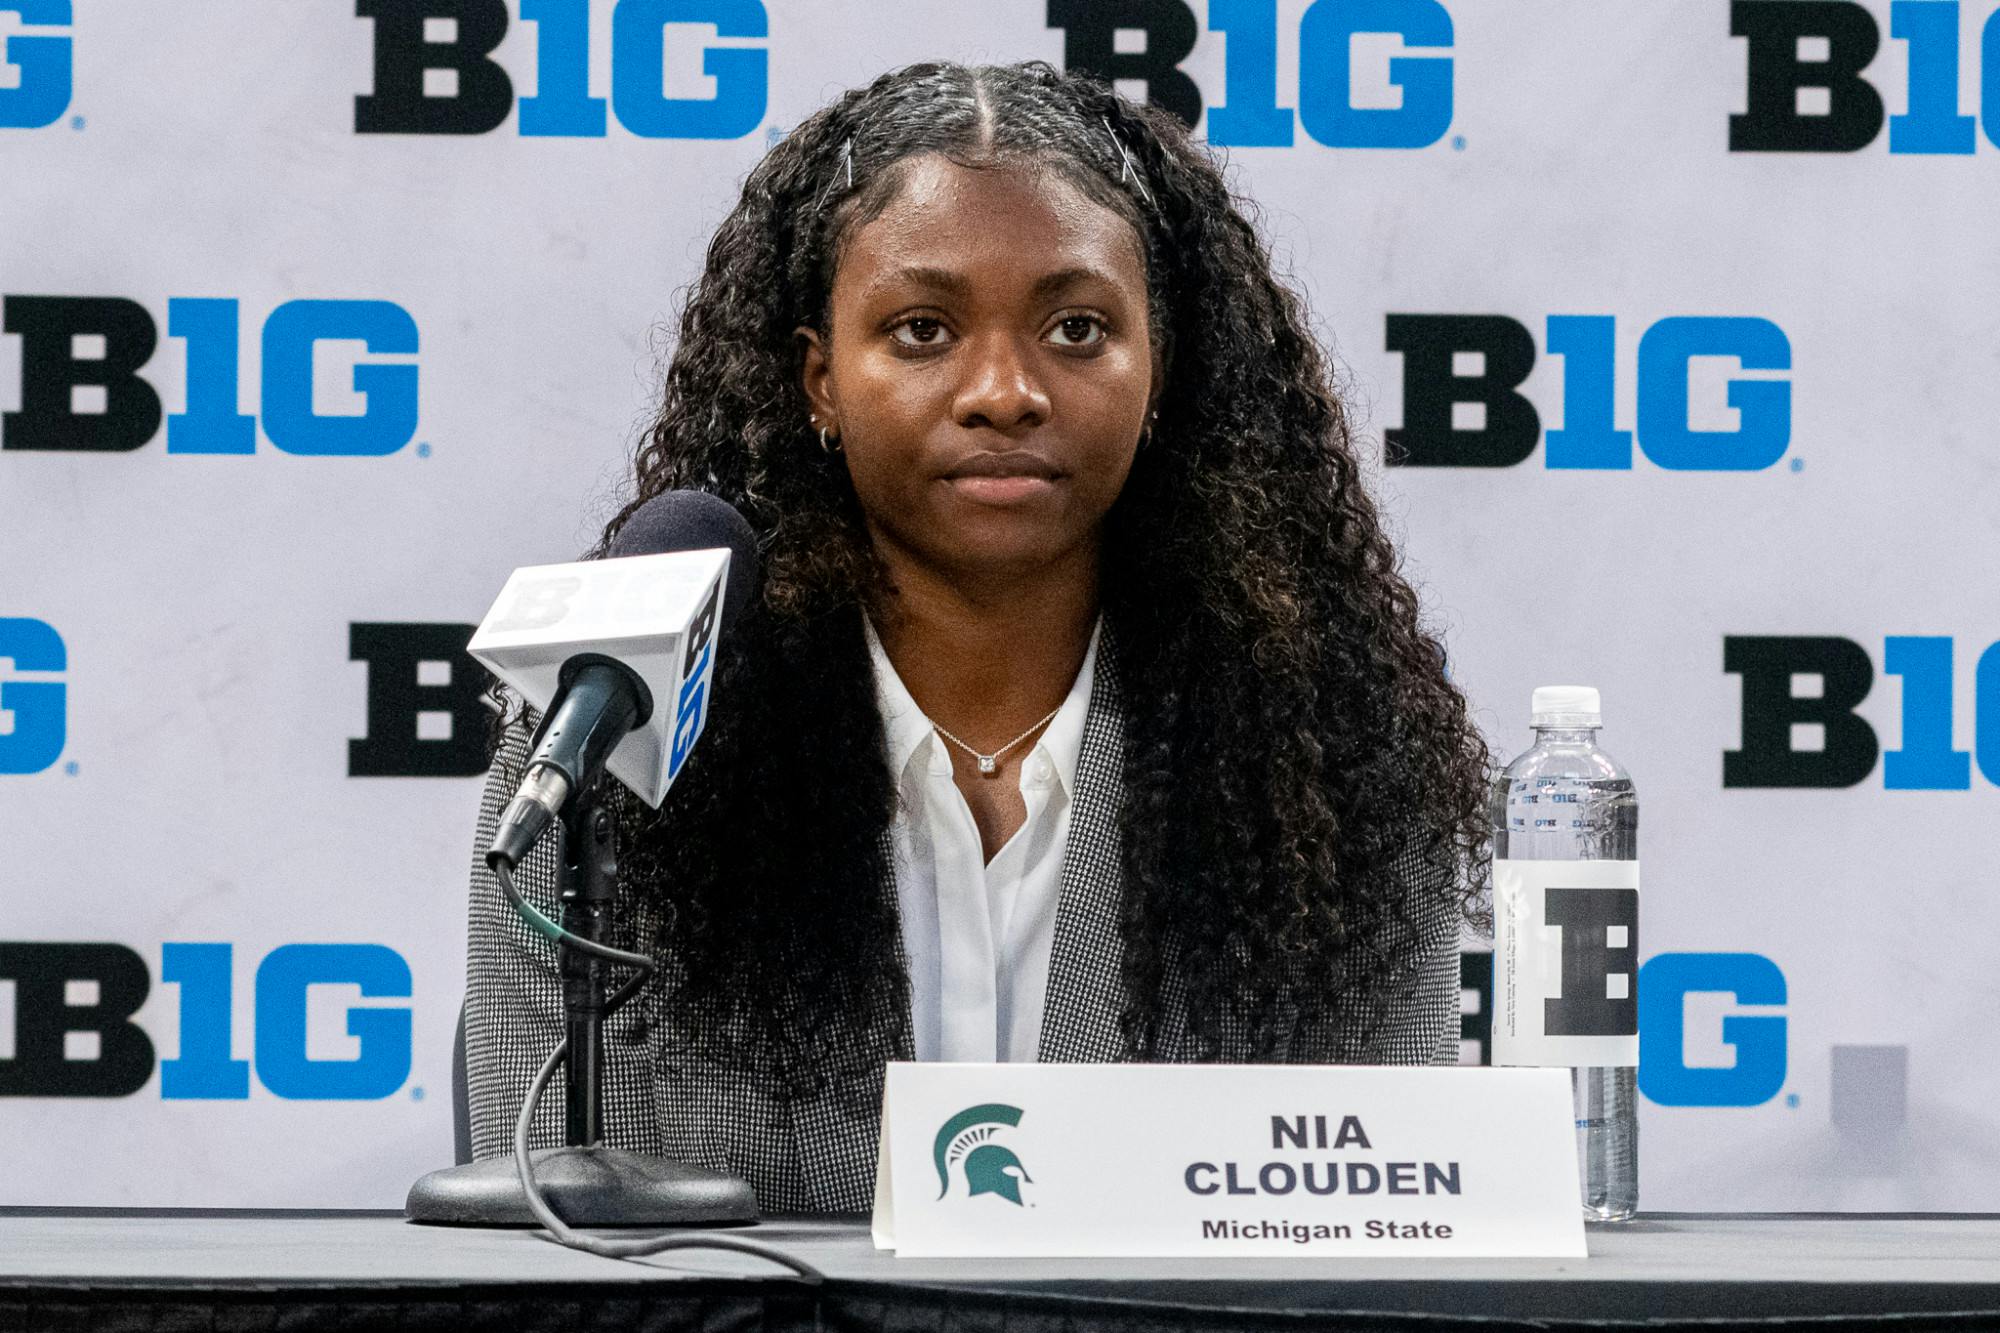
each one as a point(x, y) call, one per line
point(1001, 388)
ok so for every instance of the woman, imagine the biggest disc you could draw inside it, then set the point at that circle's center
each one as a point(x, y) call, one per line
point(1083, 716)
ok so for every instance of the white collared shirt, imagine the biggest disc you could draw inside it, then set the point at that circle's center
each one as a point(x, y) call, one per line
point(977, 933)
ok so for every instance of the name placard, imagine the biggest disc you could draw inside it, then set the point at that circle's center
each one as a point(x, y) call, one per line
point(1030, 1160)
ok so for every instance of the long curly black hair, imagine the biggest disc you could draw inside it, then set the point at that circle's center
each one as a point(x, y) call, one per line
point(1290, 726)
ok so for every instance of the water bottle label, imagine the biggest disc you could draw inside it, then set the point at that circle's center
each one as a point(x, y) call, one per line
point(1565, 963)
point(1547, 806)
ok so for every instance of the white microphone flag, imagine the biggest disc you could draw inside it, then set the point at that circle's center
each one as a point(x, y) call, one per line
point(657, 614)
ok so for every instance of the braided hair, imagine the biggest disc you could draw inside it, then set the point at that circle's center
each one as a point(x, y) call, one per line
point(1291, 729)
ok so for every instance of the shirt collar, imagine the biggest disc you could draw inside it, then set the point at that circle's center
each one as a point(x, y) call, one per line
point(907, 730)
point(1062, 741)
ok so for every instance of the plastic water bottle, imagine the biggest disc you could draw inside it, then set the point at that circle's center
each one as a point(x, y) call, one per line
point(1565, 773)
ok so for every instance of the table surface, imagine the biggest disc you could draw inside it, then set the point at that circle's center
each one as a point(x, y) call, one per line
point(1669, 1264)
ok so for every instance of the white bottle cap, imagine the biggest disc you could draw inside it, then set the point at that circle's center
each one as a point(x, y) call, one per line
point(1565, 706)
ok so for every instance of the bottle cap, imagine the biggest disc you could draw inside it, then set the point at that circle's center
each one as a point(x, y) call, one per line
point(1565, 706)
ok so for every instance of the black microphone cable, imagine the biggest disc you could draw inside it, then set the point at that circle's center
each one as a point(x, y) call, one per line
point(503, 871)
point(555, 1229)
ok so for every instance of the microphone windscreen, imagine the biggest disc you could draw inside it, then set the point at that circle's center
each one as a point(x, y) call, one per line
point(695, 521)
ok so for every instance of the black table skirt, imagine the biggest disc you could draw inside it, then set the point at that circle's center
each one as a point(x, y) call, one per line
point(72, 1270)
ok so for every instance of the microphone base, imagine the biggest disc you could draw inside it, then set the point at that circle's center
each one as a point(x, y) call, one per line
point(587, 1187)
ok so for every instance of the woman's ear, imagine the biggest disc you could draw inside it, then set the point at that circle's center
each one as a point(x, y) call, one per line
point(816, 376)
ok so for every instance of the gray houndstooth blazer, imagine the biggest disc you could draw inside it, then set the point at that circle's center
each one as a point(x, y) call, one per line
point(818, 1154)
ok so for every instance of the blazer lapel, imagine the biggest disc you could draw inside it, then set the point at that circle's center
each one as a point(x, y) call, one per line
point(1086, 992)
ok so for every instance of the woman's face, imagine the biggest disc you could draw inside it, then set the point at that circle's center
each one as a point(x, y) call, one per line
point(989, 370)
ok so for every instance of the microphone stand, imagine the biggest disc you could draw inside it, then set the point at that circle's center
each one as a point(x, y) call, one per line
point(585, 1182)
point(586, 883)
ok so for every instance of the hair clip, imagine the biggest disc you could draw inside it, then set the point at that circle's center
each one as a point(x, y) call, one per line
point(847, 163)
point(1126, 158)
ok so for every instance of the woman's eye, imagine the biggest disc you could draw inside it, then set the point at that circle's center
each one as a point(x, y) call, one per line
point(1076, 330)
point(923, 332)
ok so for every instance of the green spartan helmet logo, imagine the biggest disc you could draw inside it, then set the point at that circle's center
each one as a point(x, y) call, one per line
point(989, 1167)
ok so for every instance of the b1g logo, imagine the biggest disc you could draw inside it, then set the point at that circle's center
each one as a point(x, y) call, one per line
point(435, 72)
point(1462, 405)
point(74, 1035)
point(697, 665)
point(1742, 1063)
point(1754, 1070)
point(33, 712)
point(1335, 38)
point(81, 389)
point(426, 715)
point(36, 90)
point(1800, 728)
point(1600, 939)
point(1808, 92)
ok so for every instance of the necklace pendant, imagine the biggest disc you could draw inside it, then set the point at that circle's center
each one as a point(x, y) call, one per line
point(988, 764)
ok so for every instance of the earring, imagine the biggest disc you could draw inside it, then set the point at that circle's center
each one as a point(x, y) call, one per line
point(831, 446)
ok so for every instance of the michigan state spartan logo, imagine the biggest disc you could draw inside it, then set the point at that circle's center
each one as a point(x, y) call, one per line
point(966, 1142)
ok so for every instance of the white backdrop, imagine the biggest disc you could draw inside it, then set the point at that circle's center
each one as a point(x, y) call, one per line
point(175, 627)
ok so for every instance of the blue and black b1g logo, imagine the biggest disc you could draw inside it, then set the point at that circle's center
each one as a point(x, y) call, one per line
point(1800, 727)
point(1463, 405)
point(81, 387)
point(75, 1035)
point(39, 92)
point(435, 72)
point(1810, 90)
point(33, 699)
point(1337, 39)
point(1732, 1058)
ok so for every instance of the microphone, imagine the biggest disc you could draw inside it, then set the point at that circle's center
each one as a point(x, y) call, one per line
point(617, 654)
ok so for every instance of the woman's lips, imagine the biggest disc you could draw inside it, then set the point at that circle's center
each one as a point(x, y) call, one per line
point(1002, 478)
point(1001, 490)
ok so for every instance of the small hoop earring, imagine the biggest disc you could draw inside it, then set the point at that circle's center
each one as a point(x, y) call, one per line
point(831, 446)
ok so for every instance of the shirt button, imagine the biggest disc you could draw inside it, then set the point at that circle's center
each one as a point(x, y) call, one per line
point(1043, 770)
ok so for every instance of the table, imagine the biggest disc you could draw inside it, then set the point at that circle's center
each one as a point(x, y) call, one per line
point(174, 1269)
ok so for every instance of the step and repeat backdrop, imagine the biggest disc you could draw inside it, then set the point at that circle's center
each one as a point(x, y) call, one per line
point(1673, 326)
